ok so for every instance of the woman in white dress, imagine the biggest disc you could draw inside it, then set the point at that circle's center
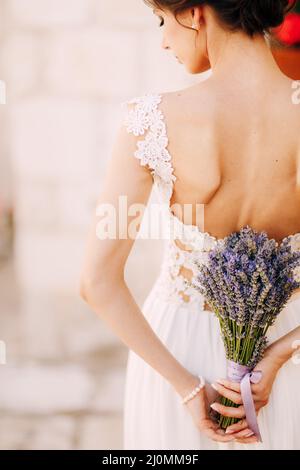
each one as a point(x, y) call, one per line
point(230, 144)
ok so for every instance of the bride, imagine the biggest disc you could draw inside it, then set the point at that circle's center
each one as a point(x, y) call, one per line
point(231, 145)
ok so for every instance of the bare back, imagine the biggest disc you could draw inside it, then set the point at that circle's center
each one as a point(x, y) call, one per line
point(238, 153)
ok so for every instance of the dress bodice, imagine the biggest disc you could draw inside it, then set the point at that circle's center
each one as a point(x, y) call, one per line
point(186, 243)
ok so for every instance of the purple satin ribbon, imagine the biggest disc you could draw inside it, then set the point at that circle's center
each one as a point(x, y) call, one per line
point(238, 373)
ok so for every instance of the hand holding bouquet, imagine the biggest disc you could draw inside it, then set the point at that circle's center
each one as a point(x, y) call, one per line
point(247, 280)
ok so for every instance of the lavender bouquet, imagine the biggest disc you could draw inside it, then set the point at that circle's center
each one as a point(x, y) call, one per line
point(246, 279)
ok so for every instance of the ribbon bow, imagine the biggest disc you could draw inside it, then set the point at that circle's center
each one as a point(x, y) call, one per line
point(239, 373)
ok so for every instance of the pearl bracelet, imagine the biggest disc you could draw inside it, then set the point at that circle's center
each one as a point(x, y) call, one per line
point(195, 391)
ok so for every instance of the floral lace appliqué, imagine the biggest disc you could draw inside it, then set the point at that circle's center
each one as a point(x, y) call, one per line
point(146, 119)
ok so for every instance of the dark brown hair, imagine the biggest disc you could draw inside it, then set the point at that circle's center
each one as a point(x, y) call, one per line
point(251, 16)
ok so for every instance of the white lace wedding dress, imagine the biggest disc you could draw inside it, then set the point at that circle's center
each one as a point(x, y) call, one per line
point(154, 417)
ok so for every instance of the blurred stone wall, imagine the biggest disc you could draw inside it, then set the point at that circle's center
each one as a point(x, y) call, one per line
point(68, 64)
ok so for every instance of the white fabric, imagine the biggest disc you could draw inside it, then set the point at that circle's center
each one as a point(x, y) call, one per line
point(154, 417)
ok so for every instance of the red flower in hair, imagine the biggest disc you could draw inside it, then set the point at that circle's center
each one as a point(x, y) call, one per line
point(289, 31)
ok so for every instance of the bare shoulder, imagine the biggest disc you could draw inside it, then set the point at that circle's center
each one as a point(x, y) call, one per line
point(198, 90)
point(187, 101)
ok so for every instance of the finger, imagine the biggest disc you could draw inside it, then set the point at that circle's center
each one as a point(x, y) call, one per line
point(256, 391)
point(247, 432)
point(255, 388)
point(239, 426)
point(221, 431)
point(235, 397)
point(216, 436)
point(247, 440)
point(214, 432)
point(235, 386)
point(231, 411)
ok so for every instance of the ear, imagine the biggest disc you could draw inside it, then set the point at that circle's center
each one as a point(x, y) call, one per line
point(197, 15)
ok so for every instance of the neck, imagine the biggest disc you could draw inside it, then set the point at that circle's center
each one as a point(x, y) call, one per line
point(250, 59)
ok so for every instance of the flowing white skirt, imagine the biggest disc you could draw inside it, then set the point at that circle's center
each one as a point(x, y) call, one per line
point(154, 417)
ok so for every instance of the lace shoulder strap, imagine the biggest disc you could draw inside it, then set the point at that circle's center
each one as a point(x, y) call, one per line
point(145, 118)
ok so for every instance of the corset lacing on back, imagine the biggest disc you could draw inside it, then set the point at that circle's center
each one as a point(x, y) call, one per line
point(186, 243)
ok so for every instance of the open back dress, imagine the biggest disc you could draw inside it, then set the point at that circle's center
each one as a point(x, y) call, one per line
point(154, 417)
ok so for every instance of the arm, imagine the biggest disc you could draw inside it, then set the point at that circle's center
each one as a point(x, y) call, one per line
point(102, 279)
point(281, 350)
